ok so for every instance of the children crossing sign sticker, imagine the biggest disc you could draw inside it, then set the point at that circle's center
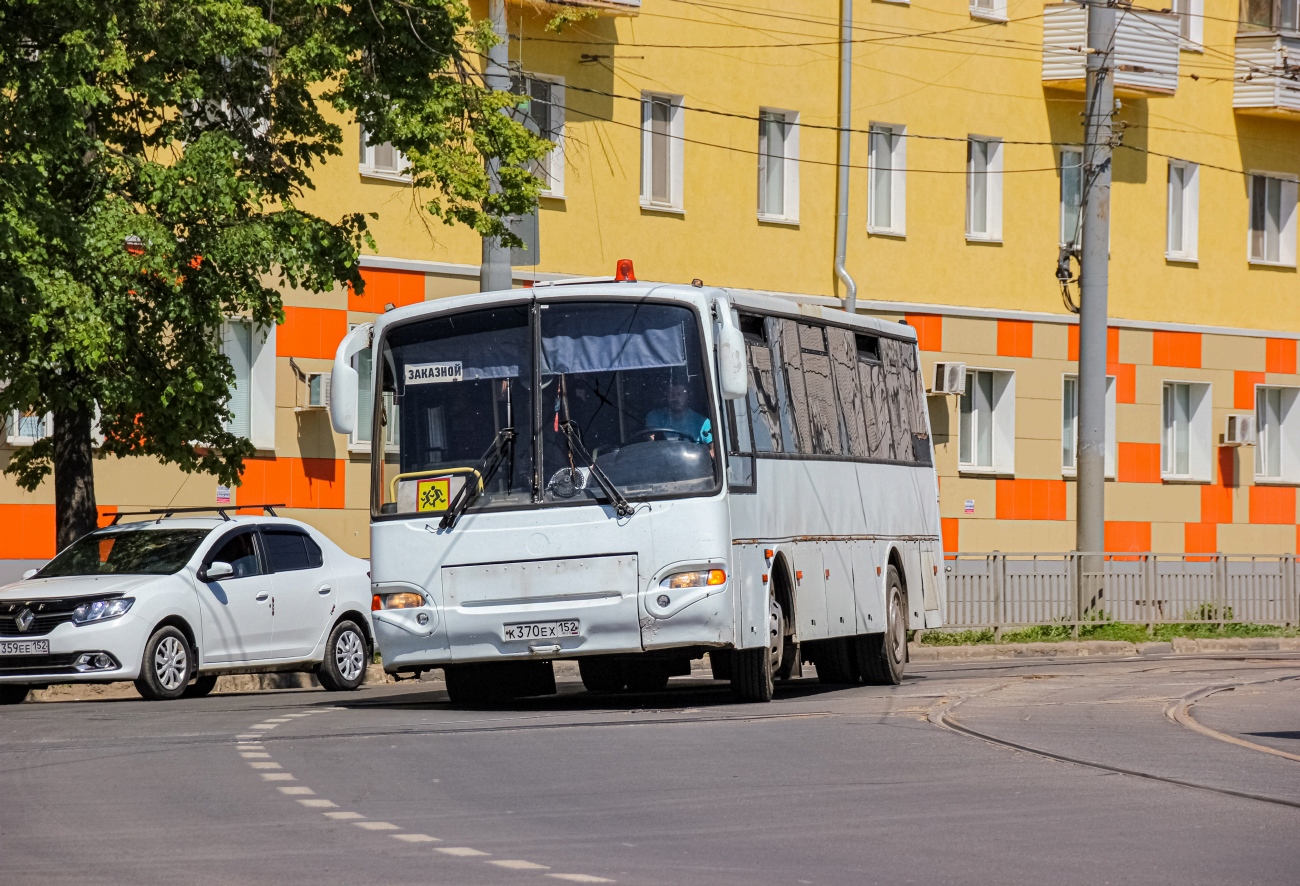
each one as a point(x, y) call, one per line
point(433, 494)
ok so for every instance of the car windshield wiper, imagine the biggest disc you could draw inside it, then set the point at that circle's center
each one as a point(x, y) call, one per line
point(621, 506)
point(502, 449)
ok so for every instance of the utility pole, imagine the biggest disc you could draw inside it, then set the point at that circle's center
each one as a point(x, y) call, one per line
point(495, 272)
point(1090, 514)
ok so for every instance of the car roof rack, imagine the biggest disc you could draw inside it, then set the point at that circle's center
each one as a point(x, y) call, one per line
point(164, 513)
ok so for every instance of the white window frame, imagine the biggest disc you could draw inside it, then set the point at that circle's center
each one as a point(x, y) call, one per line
point(553, 163)
point(1003, 438)
point(989, 10)
point(1182, 211)
point(1071, 159)
point(1070, 427)
point(789, 213)
point(1288, 431)
point(1287, 187)
point(992, 181)
point(896, 170)
point(13, 438)
point(1191, 24)
point(1200, 464)
point(676, 152)
point(261, 418)
point(366, 162)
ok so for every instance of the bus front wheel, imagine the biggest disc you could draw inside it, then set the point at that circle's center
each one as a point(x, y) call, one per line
point(753, 671)
point(881, 656)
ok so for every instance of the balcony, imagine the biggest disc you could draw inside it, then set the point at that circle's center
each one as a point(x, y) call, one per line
point(1146, 50)
point(610, 7)
point(1267, 74)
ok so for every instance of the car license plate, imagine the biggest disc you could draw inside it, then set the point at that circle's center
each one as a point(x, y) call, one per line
point(24, 647)
point(543, 630)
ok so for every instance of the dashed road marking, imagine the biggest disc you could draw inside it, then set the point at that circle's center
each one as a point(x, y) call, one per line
point(377, 825)
point(344, 816)
point(319, 803)
point(580, 878)
point(254, 755)
point(415, 838)
point(265, 764)
point(277, 720)
point(249, 735)
point(516, 864)
point(277, 776)
point(298, 790)
point(459, 851)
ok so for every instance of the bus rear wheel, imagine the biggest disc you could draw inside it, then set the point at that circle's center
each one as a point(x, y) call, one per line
point(753, 671)
point(881, 657)
point(601, 674)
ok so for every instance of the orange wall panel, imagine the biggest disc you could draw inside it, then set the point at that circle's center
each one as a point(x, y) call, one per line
point(310, 332)
point(1112, 344)
point(1243, 388)
point(1139, 463)
point(293, 482)
point(1279, 355)
point(1176, 349)
point(1125, 381)
point(383, 287)
point(1031, 500)
point(1200, 538)
point(949, 526)
point(1128, 535)
point(1272, 504)
point(1015, 338)
point(929, 330)
point(1216, 504)
point(27, 532)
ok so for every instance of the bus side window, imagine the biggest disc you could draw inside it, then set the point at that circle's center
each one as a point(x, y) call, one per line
point(910, 440)
point(791, 353)
point(871, 376)
point(844, 358)
point(823, 412)
point(762, 402)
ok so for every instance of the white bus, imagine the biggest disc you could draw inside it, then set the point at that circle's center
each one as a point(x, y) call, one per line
point(633, 475)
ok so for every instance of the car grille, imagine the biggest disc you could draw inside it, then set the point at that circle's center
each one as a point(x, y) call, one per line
point(49, 614)
point(18, 665)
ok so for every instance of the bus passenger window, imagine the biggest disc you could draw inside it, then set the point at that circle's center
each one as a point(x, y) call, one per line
point(844, 357)
point(823, 413)
point(871, 376)
point(791, 351)
point(762, 403)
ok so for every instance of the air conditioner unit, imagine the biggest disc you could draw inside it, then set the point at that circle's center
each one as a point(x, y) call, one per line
point(949, 378)
point(1240, 430)
point(318, 390)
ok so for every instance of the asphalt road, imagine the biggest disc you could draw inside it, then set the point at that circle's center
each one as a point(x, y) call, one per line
point(997, 772)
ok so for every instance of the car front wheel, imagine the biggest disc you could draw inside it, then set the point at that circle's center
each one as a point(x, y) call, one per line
point(344, 667)
point(13, 693)
point(167, 667)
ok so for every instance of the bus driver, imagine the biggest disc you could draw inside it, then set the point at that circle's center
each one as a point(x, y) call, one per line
point(679, 417)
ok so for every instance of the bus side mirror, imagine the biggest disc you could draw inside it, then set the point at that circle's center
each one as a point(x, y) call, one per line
point(732, 378)
point(344, 380)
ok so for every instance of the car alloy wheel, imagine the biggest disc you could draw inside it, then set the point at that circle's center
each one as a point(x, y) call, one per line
point(350, 655)
point(171, 663)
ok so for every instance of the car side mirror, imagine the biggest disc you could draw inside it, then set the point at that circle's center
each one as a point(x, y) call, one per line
point(29, 573)
point(218, 570)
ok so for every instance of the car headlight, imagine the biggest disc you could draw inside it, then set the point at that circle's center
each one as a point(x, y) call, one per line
point(101, 610)
point(401, 600)
point(695, 579)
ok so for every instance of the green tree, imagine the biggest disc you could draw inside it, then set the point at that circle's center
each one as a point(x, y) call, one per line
point(151, 153)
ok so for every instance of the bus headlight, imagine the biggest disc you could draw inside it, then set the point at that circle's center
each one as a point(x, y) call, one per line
point(401, 600)
point(705, 578)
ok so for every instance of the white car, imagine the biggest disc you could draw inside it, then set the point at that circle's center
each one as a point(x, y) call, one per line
point(173, 603)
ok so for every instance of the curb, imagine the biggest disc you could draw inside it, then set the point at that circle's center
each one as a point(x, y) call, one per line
point(231, 683)
point(1099, 649)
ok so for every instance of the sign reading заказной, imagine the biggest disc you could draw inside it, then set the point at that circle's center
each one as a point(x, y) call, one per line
point(432, 373)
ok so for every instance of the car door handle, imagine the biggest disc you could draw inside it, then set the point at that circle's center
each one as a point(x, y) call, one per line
point(262, 597)
point(324, 590)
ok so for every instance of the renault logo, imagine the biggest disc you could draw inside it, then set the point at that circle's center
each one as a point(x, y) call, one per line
point(24, 620)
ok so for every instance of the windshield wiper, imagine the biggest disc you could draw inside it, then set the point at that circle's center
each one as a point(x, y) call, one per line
point(621, 506)
point(502, 448)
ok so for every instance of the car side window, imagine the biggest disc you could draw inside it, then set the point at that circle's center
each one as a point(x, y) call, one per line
point(241, 553)
point(289, 550)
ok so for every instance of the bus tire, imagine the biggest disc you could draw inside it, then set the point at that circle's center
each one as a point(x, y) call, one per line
point(646, 676)
point(837, 661)
point(881, 657)
point(465, 685)
point(753, 671)
point(601, 674)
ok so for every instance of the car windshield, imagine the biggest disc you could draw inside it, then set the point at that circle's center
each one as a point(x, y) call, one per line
point(126, 552)
point(622, 385)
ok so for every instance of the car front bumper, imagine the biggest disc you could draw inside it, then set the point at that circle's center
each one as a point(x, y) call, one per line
point(121, 638)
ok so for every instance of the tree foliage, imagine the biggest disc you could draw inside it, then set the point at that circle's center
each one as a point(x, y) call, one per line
point(196, 126)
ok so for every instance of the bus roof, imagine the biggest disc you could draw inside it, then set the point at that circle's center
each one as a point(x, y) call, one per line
point(792, 305)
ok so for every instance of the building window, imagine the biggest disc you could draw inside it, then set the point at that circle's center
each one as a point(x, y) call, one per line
point(1277, 424)
point(1070, 426)
point(382, 161)
point(1270, 16)
point(1071, 197)
point(1185, 439)
point(983, 189)
point(778, 165)
point(25, 428)
point(360, 439)
point(986, 422)
point(990, 9)
point(1184, 190)
point(542, 111)
point(251, 352)
point(1191, 20)
point(887, 200)
point(1272, 220)
point(662, 131)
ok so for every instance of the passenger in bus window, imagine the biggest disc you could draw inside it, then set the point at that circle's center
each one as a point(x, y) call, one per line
point(680, 417)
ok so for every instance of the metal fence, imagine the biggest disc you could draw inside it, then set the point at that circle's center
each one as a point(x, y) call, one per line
point(997, 590)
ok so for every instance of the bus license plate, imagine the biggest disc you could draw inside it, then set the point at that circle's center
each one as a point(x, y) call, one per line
point(542, 630)
point(24, 647)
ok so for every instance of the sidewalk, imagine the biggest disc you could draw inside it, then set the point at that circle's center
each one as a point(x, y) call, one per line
point(1100, 648)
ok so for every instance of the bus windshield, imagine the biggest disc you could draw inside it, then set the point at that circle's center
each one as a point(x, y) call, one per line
point(617, 393)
